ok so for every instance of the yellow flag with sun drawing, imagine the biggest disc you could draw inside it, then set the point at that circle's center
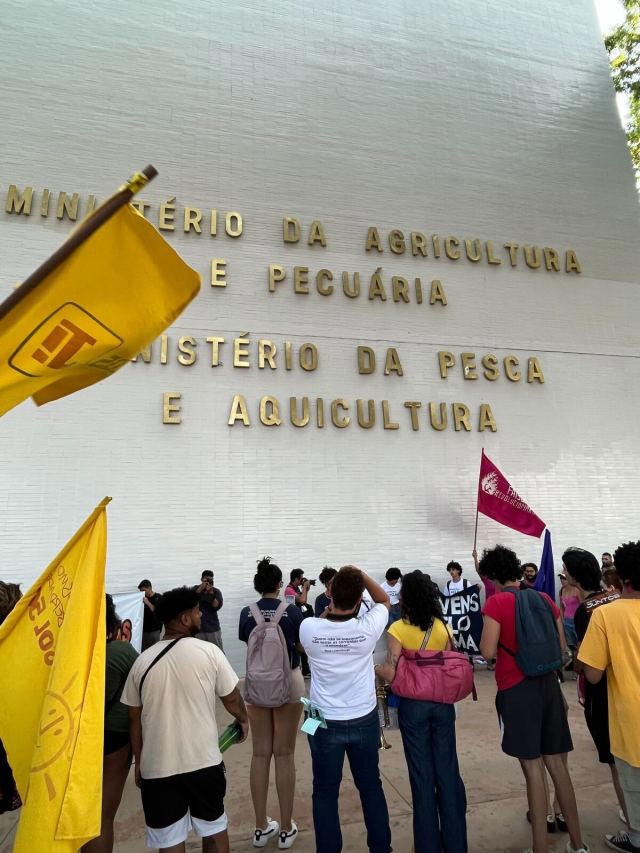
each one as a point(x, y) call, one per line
point(52, 669)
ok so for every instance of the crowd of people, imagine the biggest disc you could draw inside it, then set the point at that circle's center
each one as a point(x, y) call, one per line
point(160, 705)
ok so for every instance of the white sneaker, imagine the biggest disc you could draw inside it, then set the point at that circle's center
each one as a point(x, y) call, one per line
point(622, 817)
point(584, 849)
point(286, 839)
point(261, 837)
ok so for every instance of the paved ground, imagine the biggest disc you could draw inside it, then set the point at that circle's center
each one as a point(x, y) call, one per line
point(495, 790)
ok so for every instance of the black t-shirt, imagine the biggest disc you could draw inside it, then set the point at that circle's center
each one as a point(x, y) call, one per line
point(290, 624)
point(151, 620)
point(594, 693)
point(210, 621)
point(321, 603)
point(584, 611)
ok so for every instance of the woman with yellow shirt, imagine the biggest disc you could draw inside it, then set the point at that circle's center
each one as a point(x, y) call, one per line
point(428, 729)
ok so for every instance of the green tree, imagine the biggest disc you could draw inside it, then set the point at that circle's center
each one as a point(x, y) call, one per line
point(623, 45)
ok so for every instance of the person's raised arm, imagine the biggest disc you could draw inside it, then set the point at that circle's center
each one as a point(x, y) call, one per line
point(376, 592)
point(217, 601)
point(135, 733)
point(234, 703)
point(301, 597)
point(474, 554)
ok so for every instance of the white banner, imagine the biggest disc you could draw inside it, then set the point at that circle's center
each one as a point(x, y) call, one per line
point(130, 610)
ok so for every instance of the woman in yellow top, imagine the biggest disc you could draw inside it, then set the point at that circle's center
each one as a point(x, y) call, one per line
point(428, 728)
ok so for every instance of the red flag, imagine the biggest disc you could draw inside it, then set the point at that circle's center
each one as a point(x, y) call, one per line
point(498, 500)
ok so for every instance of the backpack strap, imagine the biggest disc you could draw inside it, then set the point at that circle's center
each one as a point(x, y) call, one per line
point(465, 583)
point(277, 616)
point(427, 636)
point(255, 612)
point(155, 661)
point(501, 645)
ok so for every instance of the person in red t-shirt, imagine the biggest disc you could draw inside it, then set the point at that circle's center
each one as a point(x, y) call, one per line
point(531, 710)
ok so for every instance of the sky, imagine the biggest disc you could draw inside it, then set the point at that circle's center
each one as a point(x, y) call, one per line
point(610, 14)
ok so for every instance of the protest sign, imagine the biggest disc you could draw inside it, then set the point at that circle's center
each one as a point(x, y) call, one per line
point(463, 612)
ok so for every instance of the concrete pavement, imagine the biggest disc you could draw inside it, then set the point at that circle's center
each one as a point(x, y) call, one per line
point(495, 790)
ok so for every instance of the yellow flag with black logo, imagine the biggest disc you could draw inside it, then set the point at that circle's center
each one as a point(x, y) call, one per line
point(52, 671)
point(116, 291)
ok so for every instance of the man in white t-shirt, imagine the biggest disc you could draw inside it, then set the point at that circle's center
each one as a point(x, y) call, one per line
point(340, 649)
point(457, 583)
point(171, 693)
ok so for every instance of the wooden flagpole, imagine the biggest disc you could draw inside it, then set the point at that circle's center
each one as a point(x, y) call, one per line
point(84, 230)
point(475, 535)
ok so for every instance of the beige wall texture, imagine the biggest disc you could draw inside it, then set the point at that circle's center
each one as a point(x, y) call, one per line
point(490, 120)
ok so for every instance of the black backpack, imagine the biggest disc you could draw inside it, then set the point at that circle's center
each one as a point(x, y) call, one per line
point(537, 634)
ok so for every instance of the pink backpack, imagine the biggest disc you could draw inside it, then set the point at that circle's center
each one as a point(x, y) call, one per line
point(267, 681)
point(434, 676)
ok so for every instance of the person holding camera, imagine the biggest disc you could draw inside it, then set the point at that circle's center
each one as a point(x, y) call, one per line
point(340, 647)
point(296, 593)
point(210, 599)
point(298, 588)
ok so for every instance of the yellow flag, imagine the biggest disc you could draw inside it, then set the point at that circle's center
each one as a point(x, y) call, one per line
point(115, 293)
point(52, 667)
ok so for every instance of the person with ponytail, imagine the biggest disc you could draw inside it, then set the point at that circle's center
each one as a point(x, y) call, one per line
point(428, 729)
point(274, 729)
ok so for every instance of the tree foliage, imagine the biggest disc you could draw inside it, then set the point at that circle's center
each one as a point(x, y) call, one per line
point(623, 45)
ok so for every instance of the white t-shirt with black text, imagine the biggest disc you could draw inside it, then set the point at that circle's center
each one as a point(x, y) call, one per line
point(392, 591)
point(451, 587)
point(341, 659)
point(179, 730)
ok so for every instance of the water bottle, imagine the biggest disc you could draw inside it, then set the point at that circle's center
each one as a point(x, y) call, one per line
point(229, 736)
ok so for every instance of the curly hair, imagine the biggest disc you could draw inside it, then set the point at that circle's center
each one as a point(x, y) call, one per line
point(419, 600)
point(10, 595)
point(627, 562)
point(500, 564)
point(347, 587)
point(176, 601)
point(326, 574)
point(583, 567)
point(267, 577)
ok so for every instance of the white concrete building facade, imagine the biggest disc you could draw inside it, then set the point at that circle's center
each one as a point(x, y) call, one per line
point(492, 123)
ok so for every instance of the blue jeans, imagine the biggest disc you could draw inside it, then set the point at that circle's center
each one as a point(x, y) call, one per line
point(570, 633)
point(428, 732)
point(394, 614)
point(359, 739)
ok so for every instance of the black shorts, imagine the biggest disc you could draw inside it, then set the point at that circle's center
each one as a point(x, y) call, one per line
point(113, 741)
point(596, 715)
point(534, 718)
point(199, 793)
